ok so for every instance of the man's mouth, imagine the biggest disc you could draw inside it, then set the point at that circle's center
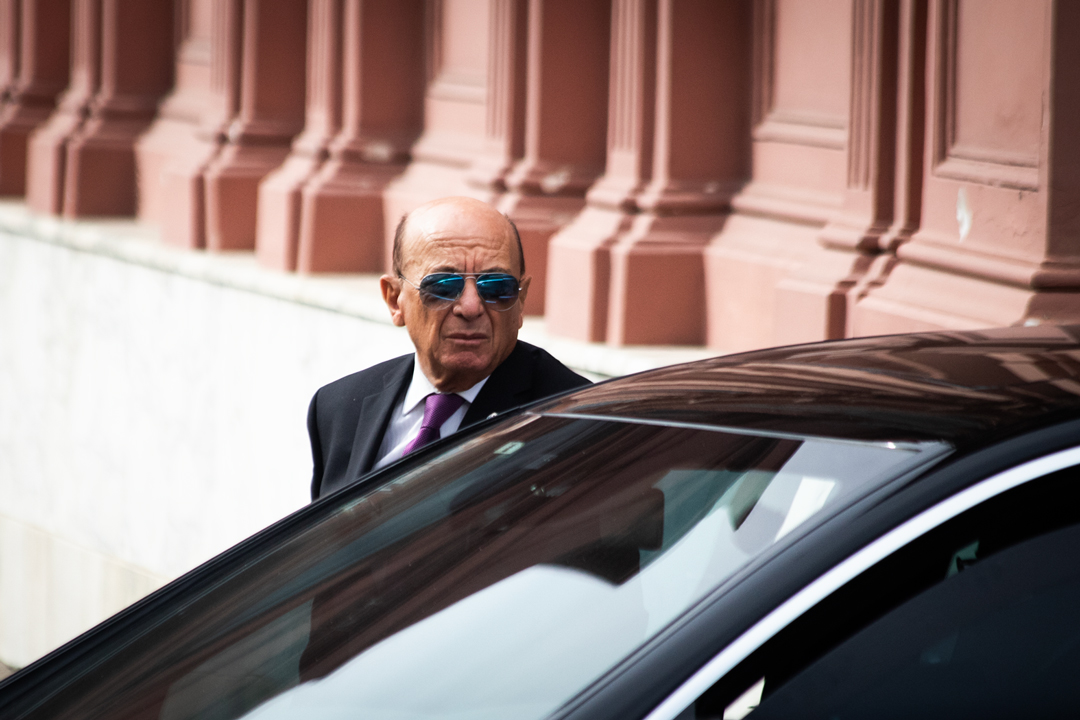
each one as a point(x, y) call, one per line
point(467, 338)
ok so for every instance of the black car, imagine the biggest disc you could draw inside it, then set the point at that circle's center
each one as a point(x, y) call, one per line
point(873, 528)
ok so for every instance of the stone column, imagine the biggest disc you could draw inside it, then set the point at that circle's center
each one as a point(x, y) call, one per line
point(278, 225)
point(812, 299)
point(459, 51)
point(173, 140)
point(800, 180)
point(700, 158)
point(997, 242)
point(271, 113)
point(504, 122)
point(10, 14)
point(579, 255)
point(34, 65)
point(137, 51)
point(910, 147)
point(629, 269)
point(343, 227)
point(206, 100)
point(565, 126)
point(47, 147)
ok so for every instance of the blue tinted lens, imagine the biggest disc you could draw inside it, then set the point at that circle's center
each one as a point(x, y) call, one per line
point(443, 286)
point(498, 289)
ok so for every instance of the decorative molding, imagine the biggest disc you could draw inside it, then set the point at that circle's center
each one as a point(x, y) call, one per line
point(504, 121)
point(226, 46)
point(983, 172)
point(1009, 271)
point(910, 153)
point(505, 94)
point(800, 206)
point(445, 83)
point(459, 88)
point(866, 69)
point(631, 105)
point(764, 66)
point(433, 29)
point(633, 77)
point(802, 130)
point(85, 54)
point(324, 82)
point(9, 47)
point(985, 166)
point(39, 60)
point(770, 125)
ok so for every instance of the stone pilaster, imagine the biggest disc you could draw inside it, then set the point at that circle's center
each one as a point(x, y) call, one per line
point(270, 112)
point(344, 226)
point(136, 70)
point(278, 226)
point(565, 126)
point(579, 255)
point(34, 67)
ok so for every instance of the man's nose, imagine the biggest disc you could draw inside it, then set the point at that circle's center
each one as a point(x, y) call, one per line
point(469, 305)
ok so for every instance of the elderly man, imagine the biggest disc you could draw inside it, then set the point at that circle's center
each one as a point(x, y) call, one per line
point(458, 287)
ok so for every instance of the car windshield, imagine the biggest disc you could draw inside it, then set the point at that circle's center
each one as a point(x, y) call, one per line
point(497, 579)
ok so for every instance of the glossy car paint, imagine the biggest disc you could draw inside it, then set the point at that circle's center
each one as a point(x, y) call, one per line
point(998, 398)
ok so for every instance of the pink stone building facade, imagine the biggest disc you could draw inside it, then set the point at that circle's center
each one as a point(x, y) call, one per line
point(728, 173)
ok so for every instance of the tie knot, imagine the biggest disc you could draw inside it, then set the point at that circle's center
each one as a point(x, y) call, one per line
point(438, 409)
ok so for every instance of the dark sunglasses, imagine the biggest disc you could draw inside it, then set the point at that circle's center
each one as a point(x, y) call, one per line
point(497, 289)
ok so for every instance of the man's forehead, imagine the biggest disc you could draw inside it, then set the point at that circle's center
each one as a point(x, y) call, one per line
point(449, 234)
point(459, 217)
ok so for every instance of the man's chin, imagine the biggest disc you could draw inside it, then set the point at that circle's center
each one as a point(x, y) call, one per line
point(468, 367)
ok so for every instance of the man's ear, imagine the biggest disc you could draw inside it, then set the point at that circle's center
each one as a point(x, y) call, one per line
point(391, 294)
point(521, 298)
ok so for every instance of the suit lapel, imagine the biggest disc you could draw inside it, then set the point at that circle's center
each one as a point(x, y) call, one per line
point(505, 388)
point(375, 416)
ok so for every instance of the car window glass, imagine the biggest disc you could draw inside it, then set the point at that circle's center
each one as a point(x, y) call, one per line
point(976, 619)
point(497, 580)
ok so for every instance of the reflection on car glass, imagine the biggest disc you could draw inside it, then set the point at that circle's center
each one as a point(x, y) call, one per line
point(496, 579)
point(593, 553)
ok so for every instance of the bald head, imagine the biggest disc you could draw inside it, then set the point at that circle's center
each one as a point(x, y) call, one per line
point(459, 205)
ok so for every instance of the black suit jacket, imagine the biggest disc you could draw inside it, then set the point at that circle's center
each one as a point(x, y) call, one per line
point(348, 417)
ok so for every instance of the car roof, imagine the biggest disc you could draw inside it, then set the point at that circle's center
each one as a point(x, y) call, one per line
point(967, 388)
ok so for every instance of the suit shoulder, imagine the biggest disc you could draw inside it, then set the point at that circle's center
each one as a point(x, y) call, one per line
point(361, 383)
point(550, 375)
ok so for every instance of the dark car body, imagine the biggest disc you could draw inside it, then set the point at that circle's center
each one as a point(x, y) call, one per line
point(866, 528)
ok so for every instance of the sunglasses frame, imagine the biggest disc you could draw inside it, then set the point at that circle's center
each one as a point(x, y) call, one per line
point(434, 300)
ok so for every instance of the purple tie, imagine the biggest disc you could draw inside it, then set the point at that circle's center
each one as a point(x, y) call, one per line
point(437, 410)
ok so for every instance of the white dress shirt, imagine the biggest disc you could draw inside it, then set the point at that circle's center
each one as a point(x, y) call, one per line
point(407, 416)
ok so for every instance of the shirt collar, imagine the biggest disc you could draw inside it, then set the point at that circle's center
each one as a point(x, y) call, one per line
point(420, 387)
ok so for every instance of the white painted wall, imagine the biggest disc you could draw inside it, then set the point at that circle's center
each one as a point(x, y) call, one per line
point(148, 421)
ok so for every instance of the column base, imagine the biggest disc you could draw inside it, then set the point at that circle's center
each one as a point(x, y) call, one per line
point(278, 221)
point(16, 123)
point(579, 270)
point(658, 281)
point(913, 298)
point(99, 177)
point(183, 216)
point(166, 143)
point(344, 223)
point(744, 266)
point(46, 156)
point(231, 194)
